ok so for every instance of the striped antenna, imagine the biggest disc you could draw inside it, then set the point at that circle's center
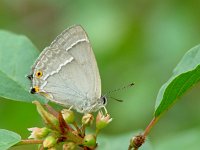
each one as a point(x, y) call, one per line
point(120, 89)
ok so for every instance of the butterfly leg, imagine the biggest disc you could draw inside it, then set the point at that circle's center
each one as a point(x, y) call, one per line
point(70, 107)
point(105, 109)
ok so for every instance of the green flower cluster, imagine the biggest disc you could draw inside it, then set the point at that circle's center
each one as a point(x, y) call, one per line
point(61, 129)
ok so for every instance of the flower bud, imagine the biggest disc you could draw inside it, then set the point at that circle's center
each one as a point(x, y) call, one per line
point(89, 140)
point(69, 146)
point(68, 116)
point(38, 133)
point(87, 119)
point(137, 141)
point(49, 142)
point(102, 120)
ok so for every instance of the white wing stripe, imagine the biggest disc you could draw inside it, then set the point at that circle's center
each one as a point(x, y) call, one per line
point(81, 40)
point(57, 70)
point(43, 85)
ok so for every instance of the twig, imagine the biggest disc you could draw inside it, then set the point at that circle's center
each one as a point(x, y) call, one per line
point(51, 110)
point(83, 130)
point(139, 140)
point(149, 127)
point(26, 142)
point(77, 128)
point(63, 124)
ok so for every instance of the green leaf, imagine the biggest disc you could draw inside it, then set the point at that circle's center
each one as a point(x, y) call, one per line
point(185, 75)
point(17, 54)
point(8, 139)
point(119, 142)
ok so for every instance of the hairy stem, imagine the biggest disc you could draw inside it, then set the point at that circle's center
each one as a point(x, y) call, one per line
point(26, 142)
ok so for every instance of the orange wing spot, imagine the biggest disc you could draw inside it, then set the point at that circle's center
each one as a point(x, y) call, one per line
point(38, 74)
point(37, 89)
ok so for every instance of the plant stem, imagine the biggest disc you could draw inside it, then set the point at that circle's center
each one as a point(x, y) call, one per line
point(75, 138)
point(51, 110)
point(25, 142)
point(63, 125)
point(149, 127)
point(83, 130)
point(139, 140)
point(77, 128)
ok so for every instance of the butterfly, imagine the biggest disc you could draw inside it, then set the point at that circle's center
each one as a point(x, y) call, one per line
point(66, 72)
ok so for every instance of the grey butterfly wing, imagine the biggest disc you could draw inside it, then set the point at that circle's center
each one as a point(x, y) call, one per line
point(57, 53)
point(70, 72)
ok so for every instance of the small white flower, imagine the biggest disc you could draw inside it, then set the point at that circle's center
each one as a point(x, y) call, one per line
point(33, 131)
point(102, 120)
point(87, 119)
point(38, 133)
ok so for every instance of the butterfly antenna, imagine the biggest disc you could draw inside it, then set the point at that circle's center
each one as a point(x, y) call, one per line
point(119, 100)
point(120, 89)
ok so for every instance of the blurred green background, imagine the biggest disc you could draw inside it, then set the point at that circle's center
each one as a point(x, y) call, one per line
point(137, 41)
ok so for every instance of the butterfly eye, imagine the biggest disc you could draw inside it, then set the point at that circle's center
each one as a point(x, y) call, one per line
point(104, 100)
point(38, 74)
point(34, 90)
